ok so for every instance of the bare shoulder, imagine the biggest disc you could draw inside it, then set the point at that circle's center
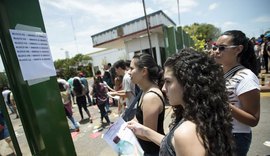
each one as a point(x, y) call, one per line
point(151, 100)
point(186, 140)
point(186, 130)
point(153, 96)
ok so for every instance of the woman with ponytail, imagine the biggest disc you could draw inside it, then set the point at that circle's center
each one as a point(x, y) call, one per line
point(235, 52)
point(151, 107)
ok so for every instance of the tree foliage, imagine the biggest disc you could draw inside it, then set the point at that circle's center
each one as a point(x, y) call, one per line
point(3, 80)
point(201, 33)
point(67, 68)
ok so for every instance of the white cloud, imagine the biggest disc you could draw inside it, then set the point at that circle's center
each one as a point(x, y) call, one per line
point(262, 19)
point(88, 18)
point(213, 6)
point(170, 7)
point(229, 23)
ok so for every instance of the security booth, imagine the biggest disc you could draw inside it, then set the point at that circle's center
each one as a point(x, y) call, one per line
point(29, 67)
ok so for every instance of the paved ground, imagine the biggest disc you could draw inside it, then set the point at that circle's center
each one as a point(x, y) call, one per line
point(89, 142)
point(261, 132)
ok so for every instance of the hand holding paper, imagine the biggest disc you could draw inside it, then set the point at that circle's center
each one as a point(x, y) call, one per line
point(122, 139)
point(137, 128)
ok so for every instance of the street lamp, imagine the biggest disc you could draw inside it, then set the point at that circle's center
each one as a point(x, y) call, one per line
point(66, 53)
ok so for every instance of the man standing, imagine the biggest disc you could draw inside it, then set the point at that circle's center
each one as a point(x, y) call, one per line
point(128, 91)
point(112, 72)
point(6, 95)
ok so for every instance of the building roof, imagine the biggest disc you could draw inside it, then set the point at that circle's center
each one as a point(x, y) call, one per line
point(134, 27)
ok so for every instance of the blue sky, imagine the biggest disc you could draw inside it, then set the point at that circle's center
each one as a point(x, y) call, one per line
point(70, 24)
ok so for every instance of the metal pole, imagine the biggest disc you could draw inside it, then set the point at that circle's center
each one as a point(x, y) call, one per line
point(179, 22)
point(42, 114)
point(148, 32)
point(75, 38)
point(178, 9)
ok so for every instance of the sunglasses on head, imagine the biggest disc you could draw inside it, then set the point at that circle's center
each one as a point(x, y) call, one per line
point(223, 47)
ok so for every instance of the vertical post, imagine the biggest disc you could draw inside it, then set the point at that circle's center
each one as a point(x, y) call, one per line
point(39, 104)
point(179, 22)
point(147, 27)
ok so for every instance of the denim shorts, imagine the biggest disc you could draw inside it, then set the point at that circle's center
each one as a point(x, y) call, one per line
point(242, 141)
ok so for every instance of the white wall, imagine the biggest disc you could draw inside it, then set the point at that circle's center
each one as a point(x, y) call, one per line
point(107, 56)
point(138, 44)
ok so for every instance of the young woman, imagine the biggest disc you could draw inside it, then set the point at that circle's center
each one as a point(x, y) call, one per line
point(100, 93)
point(151, 107)
point(79, 91)
point(236, 54)
point(66, 99)
point(195, 87)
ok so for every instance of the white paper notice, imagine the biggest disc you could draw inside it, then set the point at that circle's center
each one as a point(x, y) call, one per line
point(33, 53)
point(122, 139)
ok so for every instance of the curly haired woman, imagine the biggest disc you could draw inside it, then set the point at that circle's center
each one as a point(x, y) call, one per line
point(195, 87)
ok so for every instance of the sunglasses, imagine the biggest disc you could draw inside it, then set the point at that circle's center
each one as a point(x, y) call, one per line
point(223, 47)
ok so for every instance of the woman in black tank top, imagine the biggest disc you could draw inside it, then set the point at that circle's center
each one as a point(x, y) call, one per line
point(195, 88)
point(151, 107)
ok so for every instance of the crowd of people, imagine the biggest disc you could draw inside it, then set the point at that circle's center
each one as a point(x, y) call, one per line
point(216, 100)
point(215, 97)
point(262, 52)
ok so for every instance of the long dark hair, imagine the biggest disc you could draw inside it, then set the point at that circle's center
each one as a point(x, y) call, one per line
point(155, 72)
point(97, 80)
point(205, 99)
point(77, 86)
point(247, 56)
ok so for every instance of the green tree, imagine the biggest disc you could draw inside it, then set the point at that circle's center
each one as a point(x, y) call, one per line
point(200, 33)
point(67, 68)
point(3, 80)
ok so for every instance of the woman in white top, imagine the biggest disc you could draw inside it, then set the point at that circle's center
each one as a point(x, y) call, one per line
point(235, 53)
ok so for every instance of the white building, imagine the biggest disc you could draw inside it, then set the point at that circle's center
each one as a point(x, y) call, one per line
point(125, 40)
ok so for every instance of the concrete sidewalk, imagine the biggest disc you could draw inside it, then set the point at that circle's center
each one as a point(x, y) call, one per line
point(88, 137)
point(89, 142)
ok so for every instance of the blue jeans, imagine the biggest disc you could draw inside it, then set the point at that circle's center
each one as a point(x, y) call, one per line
point(4, 134)
point(73, 122)
point(242, 141)
point(107, 105)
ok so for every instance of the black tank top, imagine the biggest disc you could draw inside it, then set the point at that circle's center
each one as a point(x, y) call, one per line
point(147, 146)
point(166, 147)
